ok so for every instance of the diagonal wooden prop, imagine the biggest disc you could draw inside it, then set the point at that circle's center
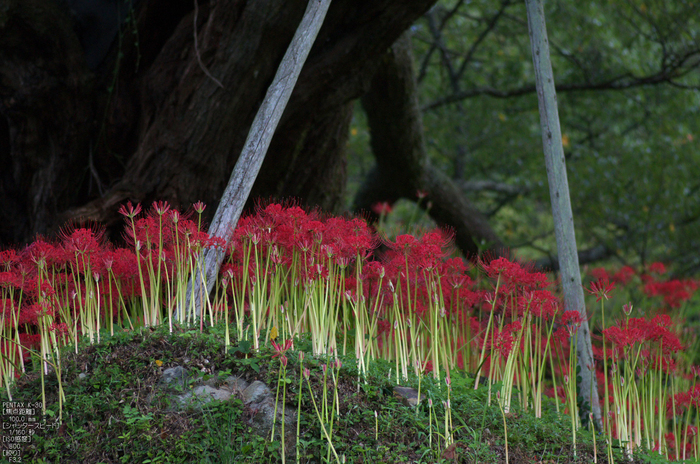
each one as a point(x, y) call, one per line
point(254, 150)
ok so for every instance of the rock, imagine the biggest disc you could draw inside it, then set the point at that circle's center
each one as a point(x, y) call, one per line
point(261, 422)
point(207, 393)
point(257, 397)
point(409, 396)
point(260, 401)
point(235, 385)
point(174, 378)
point(256, 392)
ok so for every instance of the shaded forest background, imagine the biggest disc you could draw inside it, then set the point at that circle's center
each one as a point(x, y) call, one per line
point(104, 102)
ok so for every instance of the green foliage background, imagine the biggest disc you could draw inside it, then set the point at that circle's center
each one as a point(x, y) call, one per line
point(628, 80)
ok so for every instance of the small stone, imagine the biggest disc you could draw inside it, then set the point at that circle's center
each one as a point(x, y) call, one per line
point(207, 393)
point(235, 384)
point(174, 378)
point(409, 396)
point(255, 392)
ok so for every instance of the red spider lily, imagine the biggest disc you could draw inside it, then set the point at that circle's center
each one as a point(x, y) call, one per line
point(627, 308)
point(280, 350)
point(454, 270)
point(569, 323)
point(46, 289)
point(541, 303)
point(59, 328)
point(571, 318)
point(432, 249)
point(317, 272)
point(10, 279)
point(29, 341)
point(199, 207)
point(174, 216)
point(421, 254)
point(160, 207)
point(670, 438)
point(601, 288)
point(560, 393)
point(674, 292)
point(500, 266)
point(42, 254)
point(122, 263)
point(666, 363)
point(6, 304)
point(404, 243)
point(83, 249)
point(513, 275)
point(437, 241)
point(129, 211)
point(29, 314)
point(624, 275)
point(640, 331)
point(382, 208)
point(657, 268)
point(662, 334)
point(600, 273)
point(373, 271)
point(7, 259)
point(355, 245)
point(503, 340)
point(683, 401)
point(85, 239)
point(210, 241)
point(144, 233)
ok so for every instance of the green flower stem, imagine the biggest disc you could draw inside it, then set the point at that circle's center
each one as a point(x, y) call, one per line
point(301, 388)
point(323, 427)
point(486, 335)
point(606, 405)
point(505, 427)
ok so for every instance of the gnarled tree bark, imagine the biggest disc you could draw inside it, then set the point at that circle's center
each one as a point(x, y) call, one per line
point(46, 105)
point(167, 131)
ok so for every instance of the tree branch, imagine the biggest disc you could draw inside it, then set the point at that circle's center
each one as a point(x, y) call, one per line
point(590, 255)
point(493, 21)
point(426, 59)
point(620, 82)
point(492, 186)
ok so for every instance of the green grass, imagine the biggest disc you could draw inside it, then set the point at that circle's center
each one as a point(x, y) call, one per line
point(116, 413)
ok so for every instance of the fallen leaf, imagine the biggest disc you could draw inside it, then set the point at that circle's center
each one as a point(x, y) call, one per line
point(450, 452)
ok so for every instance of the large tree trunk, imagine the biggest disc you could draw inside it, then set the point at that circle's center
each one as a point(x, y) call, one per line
point(171, 132)
point(403, 167)
point(46, 107)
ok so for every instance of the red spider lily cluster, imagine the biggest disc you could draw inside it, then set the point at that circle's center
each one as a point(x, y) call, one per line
point(642, 356)
point(297, 272)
